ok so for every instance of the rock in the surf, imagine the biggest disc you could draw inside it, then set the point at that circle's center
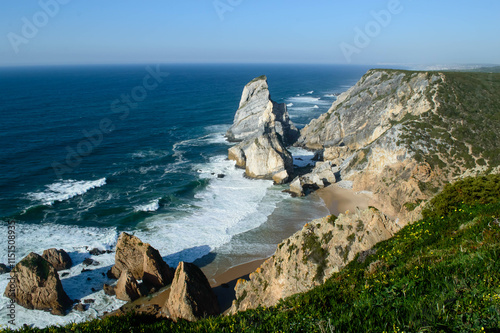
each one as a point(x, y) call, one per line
point(58, 258)
point(35, 285)
point(142, 261)
point(257, 112)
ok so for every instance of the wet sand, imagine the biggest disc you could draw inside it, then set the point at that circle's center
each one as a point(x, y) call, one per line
point(223, 279)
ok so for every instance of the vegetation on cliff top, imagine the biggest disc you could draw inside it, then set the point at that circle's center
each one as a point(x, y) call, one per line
point(465, 130)
point(440, 274)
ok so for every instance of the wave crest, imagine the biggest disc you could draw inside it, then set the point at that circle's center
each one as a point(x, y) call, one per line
point(65, 190)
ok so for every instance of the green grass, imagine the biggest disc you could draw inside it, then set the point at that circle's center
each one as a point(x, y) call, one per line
point(440, 274)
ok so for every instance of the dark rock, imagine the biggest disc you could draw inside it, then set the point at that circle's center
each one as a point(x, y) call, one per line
point(221, 175)
point(80, 307)
point(36, 285)
point(58, 258)
point(96, 252)
point(90, 262)
point(88, 279)
point(4, 269)
point(109, 290)
point(64, 274)
point(89, 301)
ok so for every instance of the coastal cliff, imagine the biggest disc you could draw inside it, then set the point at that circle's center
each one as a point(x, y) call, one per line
point(401, 134)
point(311, 256)
point(398, 136)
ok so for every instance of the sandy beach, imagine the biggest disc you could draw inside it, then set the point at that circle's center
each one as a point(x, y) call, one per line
point(223, 279)
point(339, 200)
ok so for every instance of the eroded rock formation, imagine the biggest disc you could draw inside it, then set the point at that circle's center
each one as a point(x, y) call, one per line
point(58, 258)
point(257, 113)
point(311, 256)
point(263, 129)
point(141, 260)
point(191, 296)
point(35, 284)
point(127, 288)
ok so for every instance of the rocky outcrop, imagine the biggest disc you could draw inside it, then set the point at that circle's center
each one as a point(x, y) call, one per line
point(323, 174)
point(311, 256)
point(35, 284)
point(58, 258)
point(127, 288)
point(263, 129)
point(367, 110)
point(264, 157)
point(141, 260)
point(191, 297)
point(257, 113)
point(364, 134)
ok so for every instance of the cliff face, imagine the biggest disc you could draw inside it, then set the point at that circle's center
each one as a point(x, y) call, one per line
point(407, 133)
point(367, 110)
point(311, 256)
point(399, 135)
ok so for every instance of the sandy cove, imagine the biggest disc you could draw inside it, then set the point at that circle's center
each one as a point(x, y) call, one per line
point(338, 200)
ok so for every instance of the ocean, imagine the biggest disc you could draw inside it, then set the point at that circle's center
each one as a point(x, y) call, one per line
point(90, 151)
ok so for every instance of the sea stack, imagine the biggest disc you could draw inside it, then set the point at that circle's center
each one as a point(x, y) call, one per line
point(35, 285)
point(263, 129)
point(141, 261)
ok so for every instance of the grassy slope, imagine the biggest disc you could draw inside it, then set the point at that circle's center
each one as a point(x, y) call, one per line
point(440, 274)
point(467, 121)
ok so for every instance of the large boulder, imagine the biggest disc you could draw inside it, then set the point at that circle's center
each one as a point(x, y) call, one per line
point(58, 258)
point(257, 112)
point(35, 284)
point(264, 157)
point(323, 174)
point(127, 288)
point(141, 260)
point(191, 297)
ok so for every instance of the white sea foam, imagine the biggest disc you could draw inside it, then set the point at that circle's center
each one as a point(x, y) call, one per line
point(315, 107)
point(330, 95)
point(149, 154)
point(149, 207)
point(76, 241)
point(310, 92)
point(307, 100)
point(65, 190)
point(228, 206)
point(289, 105)
point(301, 156)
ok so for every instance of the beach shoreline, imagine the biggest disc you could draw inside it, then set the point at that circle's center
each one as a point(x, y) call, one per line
point(337, 200)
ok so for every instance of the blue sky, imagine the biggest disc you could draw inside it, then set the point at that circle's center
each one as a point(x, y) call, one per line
point(264, 31)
